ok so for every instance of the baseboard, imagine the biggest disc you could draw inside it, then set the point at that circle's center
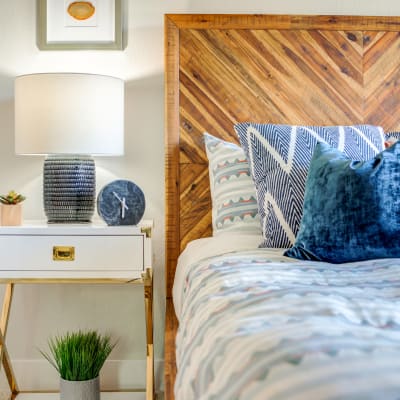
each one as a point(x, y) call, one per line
point(37, 375)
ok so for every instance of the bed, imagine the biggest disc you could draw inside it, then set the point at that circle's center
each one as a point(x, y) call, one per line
point(301, 70)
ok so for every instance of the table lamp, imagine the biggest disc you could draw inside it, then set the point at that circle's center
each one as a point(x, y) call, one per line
point(69, 117)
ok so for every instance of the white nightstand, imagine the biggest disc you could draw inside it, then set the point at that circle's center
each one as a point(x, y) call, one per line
point(87, 253)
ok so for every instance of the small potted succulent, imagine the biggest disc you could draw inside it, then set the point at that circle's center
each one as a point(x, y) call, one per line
point(11, 208)
point(79, 357)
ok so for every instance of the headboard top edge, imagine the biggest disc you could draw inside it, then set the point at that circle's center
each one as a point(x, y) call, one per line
point(284, 21)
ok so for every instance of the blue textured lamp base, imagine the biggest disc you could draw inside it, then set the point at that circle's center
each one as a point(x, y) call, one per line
point(69, 189)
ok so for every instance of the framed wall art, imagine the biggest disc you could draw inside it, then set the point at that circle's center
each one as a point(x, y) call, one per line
point(79, 25)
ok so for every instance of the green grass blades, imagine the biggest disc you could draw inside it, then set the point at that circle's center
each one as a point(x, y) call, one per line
point(79, 356)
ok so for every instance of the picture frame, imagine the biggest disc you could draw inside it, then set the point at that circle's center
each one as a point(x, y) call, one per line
point(79, 25)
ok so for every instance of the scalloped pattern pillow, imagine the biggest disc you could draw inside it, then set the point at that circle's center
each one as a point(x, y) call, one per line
point(391, 138)
point(280, 156)
point(233, 195)
point(351, 208)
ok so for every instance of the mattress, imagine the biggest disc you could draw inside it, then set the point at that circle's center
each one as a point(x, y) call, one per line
point(254, 324)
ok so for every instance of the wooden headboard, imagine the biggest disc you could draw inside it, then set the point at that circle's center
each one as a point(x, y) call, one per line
point(223, 69)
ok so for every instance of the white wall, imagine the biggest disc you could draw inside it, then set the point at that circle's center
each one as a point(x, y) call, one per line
point(42, 311)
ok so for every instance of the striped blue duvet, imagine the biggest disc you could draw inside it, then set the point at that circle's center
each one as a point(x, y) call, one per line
point(255, 326)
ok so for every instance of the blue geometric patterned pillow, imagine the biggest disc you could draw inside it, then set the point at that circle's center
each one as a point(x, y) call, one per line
point(280, 156)
point(233, 195)
point(351, 208)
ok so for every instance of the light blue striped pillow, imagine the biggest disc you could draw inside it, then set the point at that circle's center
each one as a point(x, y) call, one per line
point(280, 156)
point(233, 195)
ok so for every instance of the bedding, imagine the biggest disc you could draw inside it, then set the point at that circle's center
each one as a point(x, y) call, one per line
point(257, 325)
point(200, 249)
point(279, 157)
point(351, 208)
point(233, 195)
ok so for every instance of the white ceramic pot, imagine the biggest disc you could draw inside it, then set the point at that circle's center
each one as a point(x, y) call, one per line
point(80, 390)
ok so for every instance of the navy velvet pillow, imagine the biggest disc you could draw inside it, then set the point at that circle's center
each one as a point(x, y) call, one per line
point(351, 208)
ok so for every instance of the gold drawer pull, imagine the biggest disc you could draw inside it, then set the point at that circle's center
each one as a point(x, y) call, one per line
point(63, 253)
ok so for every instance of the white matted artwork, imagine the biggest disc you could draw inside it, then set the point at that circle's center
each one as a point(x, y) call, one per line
point(75, 25)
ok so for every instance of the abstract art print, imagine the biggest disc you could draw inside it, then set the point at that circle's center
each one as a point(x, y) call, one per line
point(79, 25)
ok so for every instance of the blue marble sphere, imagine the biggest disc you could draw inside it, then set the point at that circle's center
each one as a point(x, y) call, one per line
point(121, 202)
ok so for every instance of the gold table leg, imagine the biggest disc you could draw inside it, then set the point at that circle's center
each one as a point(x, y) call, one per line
point(147, 278)
point(5, 358)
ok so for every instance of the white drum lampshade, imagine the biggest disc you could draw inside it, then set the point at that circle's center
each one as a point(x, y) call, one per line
point(69, 117)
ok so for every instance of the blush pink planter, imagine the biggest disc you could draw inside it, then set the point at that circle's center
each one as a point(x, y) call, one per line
point(11, 214)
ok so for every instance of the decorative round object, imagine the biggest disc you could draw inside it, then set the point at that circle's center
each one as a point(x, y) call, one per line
point(121, 202)
point(81, 10)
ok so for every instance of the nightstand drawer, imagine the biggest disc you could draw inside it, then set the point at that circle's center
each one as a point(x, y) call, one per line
point(72, 252)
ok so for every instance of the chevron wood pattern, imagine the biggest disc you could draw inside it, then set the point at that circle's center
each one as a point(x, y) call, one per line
point(382, 79)
point(223, 69)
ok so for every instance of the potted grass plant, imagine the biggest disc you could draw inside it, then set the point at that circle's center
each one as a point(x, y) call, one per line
point(79, 357)
point(11, 208)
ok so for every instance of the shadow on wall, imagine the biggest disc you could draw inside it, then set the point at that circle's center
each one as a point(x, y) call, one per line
point(144, 131)
point(143, 163)
point(20, 173)
point(6, 87)
point(152, 81)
